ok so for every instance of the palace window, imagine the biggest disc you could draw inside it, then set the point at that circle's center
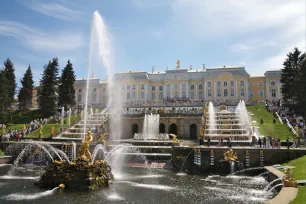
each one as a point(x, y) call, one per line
point(94, 95)
point(225, 92)
point(183, 86)
point(168, 87)
point(209, 92)
point(272, 83)
point(251, 94)
point(192, 95)
point(142, 86)
point(200, 86)
point(134, 95)
point(79, 98)
point(273, 93)
point(232, 83)
point(260, 93)
point(160, 96)
point(153, 96)
point(241, 83)
point(176, 94)
point(192, 87)
point(260, 83)
point(209, 84)
point(241, 92)
point(161, 87)
point(219, 92)
point(153, 88)
point(218, 83)
point(142, 95)
point(200, 95)
point(184, 94)
point(225, 83)
point(175, 86)
point(128, 96)
point(134, 86)
point(128, 87)
point(232, 92)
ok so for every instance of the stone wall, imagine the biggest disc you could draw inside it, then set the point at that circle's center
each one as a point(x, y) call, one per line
point(270, 157)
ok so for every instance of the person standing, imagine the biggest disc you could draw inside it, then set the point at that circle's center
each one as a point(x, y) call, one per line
point(264, 142)
point(208, 141)
point(279, 143)
point(288, 143)
point(259, 142)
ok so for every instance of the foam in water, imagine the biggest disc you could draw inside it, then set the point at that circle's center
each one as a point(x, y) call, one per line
point(19, 196)
point(151, 186)
point(8, 177)
point(114, 196)
point(98, 148)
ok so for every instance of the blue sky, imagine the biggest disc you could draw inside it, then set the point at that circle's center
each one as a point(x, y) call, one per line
point(256, 34)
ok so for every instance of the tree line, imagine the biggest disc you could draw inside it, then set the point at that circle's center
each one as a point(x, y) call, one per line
point(53, 91)
point(293, 81)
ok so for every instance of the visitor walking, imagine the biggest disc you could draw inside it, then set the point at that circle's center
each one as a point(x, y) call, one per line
point(259, 142)
point(208, 141)
point(279, 143)
point(264, 142)
point(288, 143)
point(276, 143)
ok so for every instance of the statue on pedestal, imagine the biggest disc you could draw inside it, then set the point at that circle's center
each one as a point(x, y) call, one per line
point(297, 135)
point(24, 130)
point(230, 156)
point(174, 139)
point(3, 129)
point(288, 179)
point(52, 131)
point(84, 149)
point(40, 131)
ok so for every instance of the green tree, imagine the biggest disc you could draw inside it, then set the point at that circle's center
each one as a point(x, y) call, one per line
point(4, 97)
point(301, 84)
point(290, 75)
point(66, 87)
point(47, 98)
point(9, 72)
point(25, 94)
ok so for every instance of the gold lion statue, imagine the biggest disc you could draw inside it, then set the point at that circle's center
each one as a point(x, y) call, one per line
point(84, 149)
point(230, 156)
point(288, 179)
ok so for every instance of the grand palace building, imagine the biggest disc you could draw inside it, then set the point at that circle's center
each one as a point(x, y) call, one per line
point(227, 83)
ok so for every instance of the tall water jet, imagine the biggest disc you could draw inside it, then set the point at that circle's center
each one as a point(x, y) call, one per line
point(242, 113)
point(98, 37)
point(211, 117)
point(62, 117)
point(150, 126)
point(69, 117)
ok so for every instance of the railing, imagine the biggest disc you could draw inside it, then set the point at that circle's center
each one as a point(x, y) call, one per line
point(169, 112)
point(279, 118)
point(290, 126)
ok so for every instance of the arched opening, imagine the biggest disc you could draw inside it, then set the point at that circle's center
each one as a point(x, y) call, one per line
point(173, 129)
point(193, 131)
point(134, 129)
point(162, 128)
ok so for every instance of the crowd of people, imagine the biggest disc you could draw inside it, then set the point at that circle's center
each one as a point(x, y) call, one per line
point(17, 134)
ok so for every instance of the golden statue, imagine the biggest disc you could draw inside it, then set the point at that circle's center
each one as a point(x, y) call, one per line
point(24, 129)
point(3, 129)
point(103, 138)
point(202, 132)
point(84, 149)
point(230, 156)
point(288, 179)
point(52, 131)
point(178, 63)
point(174, 139)
point(297, 131)
point(40, 131)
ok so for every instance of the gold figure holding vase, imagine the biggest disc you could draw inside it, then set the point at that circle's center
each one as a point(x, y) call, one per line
point(230, 156)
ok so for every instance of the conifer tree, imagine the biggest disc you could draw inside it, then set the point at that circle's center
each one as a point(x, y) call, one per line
point(289, 77)
point(66, 87)
point(47, 98)
point(9, 72)
point(25, 94)
point(4, 97)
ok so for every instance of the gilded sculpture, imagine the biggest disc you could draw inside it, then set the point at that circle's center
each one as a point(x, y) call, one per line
point(3, 129)
point(230, 156)
point(84, 149)
point(288, 179)
point(174, 138)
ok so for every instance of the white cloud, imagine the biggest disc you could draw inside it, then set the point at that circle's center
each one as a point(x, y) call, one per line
point(55, 10)
point(38, 40)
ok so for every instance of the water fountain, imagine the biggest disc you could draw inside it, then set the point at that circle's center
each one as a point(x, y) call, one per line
point(62, 117)
point(151, 129)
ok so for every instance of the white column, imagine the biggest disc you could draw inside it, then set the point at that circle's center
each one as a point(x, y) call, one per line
point(267, 89)
point(246, 91)
point(204, 92)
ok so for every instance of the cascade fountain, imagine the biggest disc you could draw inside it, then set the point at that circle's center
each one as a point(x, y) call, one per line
point(69, 117)
point(62, 117)
point(212, 117)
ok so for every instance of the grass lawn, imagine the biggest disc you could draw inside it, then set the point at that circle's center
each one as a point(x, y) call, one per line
point(15, 127)
point(278, 129)
point(299, 173)
point(1, 153)
point(46, 131)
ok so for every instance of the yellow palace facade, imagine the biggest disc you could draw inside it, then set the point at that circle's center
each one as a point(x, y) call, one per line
point(227, 83)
